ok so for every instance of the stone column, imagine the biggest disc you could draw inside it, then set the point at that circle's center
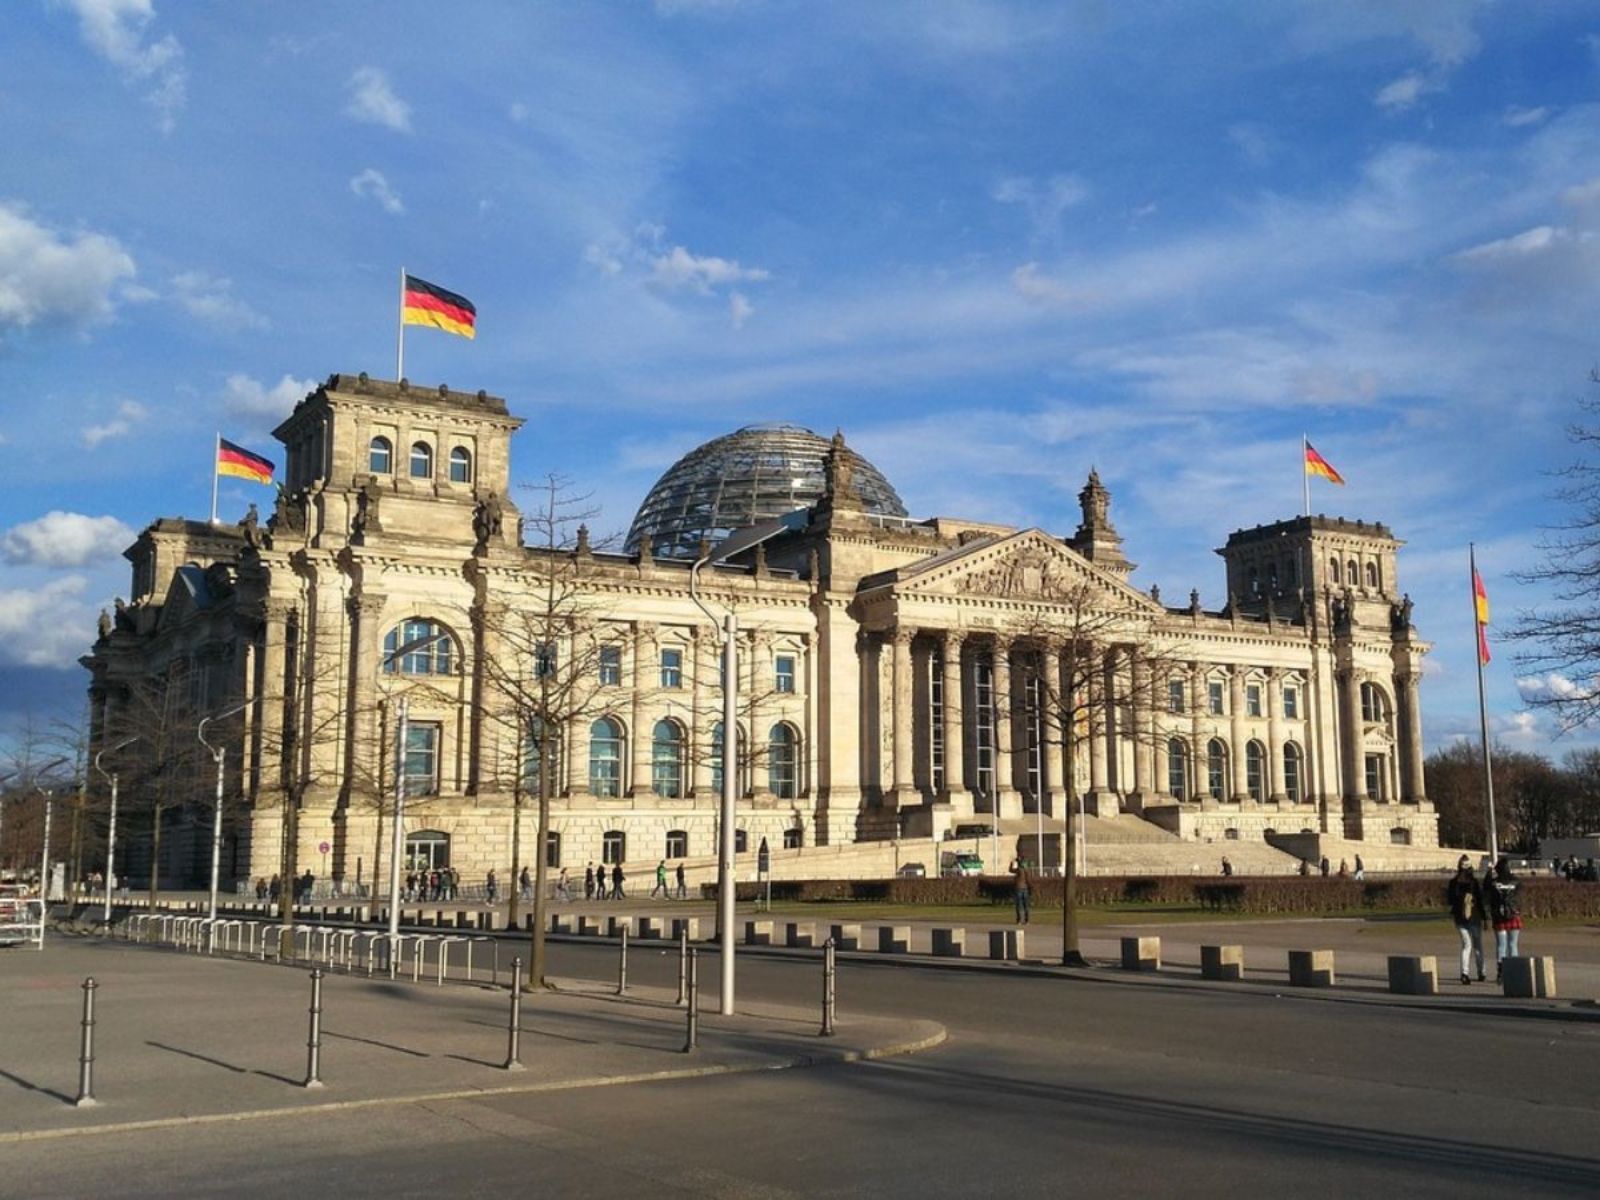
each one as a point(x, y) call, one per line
point(1199, 774)
point(1407, 686)
point(1055, 688)
point(1275, 736)
point(274, 701)
point(1099, 733)
point(1355, 775)
point(1007, 800)
point(367, 719)
point(955, 759)
point(640, 737)
point(903, 788)
point(1139, 719)
point(1236, 734)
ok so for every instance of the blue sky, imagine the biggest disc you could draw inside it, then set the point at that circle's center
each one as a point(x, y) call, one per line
point(995, 243)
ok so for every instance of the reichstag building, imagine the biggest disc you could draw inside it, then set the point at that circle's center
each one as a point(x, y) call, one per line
point(900, 677)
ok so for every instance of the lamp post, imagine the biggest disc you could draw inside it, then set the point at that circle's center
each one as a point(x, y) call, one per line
point(111, 828)
point(49, 810)
point(220, 753)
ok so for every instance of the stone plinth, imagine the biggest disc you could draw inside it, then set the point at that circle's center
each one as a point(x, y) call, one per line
point(845, 937)
point(1005, 945)
point(1222, 962)
point(1311, 968)
point(686, 925)
point(1414, 975)
point(589, 926)
point(617, 926)
point(894, 939)
point(1141, 954)
point(758, 933)
point(559, 922)
point(1529, 978)
point(949, 943)
point(650, 929)
point(802, 934)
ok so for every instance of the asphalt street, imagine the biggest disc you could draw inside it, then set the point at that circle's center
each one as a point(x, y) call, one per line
point(1045, 1085)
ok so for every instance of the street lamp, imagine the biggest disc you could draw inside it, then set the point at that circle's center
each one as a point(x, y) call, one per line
point(49, 809)
point(111, 829)
point(219, 753)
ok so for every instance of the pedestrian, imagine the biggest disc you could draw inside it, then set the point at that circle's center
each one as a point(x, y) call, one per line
point(563, 887)
point(431, 888)
point(1324, 866)
point(1361, 870)
point(1020, 883)
point(1344, 869)
point(275, 888)
point(261, 887)
point(661, 881)
point(1227, 867)
point(588, 882)
point(616, 883)
point(1500, 889)
point(491, 888)
point(1466, 910)
point(683, 887)
point(525, 884)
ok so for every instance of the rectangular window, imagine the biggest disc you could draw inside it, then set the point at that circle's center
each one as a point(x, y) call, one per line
point(1214, 698)
point(1175, 695)
point(1375, 776)
point(936, 721)
point(552, 849)
point(614, 847)
point(783, 673)
point(677, 843)
point(1252, 700)
point(610, 666)
point(672, 668)
point(1291, 703)
point(422, 758)
point(983, 733)
point(544, 660)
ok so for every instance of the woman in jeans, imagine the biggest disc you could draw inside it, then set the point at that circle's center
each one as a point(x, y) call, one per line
point(1501, 892)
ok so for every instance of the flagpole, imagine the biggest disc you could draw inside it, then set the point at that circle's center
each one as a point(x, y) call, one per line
point(1478, 635)
point(1305, 475)
point(216, 453)
point(400, 351)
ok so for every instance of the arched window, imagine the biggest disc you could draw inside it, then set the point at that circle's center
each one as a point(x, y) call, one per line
point(1217, 768)
point(1254, 774)
point(781, 764)
point(1374, 704)
point(427, 850)
point(418, 647)
point(677, 843)
point(1178, 768)
point(533, 758)
point(1352, 573)
point(666, 760)
point(380, 456)
point(793, 839)
point(421, 461)
point(1292, 763)
point(1333, 571)
point(460, 465)
point(613, 847)
point(1372, 576)
point(716, 760)
point(605, 758)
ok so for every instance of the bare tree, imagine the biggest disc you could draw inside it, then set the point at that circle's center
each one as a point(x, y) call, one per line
point(545, 671)
point(34, 768)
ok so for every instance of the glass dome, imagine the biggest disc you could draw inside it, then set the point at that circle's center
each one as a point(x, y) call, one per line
point(755, 474)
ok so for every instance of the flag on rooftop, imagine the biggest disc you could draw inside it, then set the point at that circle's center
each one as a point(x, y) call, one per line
point(241, 463)
point(424, 303)
point(1317, 465)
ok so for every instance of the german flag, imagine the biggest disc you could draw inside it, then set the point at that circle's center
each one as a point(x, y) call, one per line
point(1480, 606)
point(1317, 465)
point(241, 463)
point(427, 304)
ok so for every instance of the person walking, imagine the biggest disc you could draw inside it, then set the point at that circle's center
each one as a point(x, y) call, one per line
point(661, 881)
point(491, 888)
point(1021, 885)
point(616, 883)
point(1500, 889)
point(1361, 869)
point(1227, 867)
point(588, 882)
point(683, 887)
point(563, 887)
point(525, 883)
point(1466, 910)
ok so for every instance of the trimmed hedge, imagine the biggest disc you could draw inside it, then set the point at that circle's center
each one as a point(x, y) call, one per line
point(1539, 897)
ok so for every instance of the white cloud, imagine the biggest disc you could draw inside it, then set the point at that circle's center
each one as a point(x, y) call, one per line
point(679, 268)
point(210, 299)
point(374, 101)
point(65, 539)
point(739, 309)
point(128, 412)
point(1038, 287)
point(1530, 241)
point(1515, 117)
point(246, 398)
point(115, 30)
point(1253, 142)
point(1551, 686)
point(45, 626)
point(1400, 94)
point(1044, 202)
point(372, 183)
point(50, 276)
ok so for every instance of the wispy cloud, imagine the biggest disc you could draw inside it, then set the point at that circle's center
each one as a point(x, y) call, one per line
point(128, 414)
point(115, 30)
point(47, 275)
point(211, 299)
point(371, 183)
point(251, 400)
point(372, 100)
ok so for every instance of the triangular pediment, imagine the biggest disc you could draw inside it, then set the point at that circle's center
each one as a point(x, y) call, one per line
point(1029, 567)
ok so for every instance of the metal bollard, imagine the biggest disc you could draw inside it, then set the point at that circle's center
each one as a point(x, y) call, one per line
point(86, 1048)
point(314, 1041)
point(692, 1038)
point(683, 966)
point(514, 1046)
point(827, 988)
point(622, 963)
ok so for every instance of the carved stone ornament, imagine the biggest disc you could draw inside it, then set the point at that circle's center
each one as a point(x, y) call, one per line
point(1026, 574)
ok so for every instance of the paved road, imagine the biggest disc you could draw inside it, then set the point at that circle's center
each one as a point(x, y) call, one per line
point(1045, 1086)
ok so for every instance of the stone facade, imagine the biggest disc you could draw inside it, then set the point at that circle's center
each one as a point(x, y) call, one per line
point(898, 678)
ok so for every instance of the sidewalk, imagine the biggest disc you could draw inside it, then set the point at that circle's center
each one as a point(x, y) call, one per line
point(185, 1037)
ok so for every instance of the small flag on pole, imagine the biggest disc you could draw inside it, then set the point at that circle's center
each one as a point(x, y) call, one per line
point(241, 463)
point(1317, 465)
point(1480, 601)
point(424, 303)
